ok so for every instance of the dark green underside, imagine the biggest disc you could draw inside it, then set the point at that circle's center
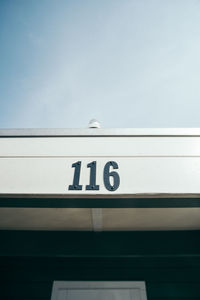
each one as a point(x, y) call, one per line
point(99, 202)
point(169, 262)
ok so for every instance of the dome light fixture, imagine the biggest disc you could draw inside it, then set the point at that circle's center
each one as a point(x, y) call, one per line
point(94, 124)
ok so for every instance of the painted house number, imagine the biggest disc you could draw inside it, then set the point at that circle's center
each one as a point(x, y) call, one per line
point(92, 186)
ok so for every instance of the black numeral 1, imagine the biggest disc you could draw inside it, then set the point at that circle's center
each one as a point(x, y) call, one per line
point(92, 185)
point(76, 186)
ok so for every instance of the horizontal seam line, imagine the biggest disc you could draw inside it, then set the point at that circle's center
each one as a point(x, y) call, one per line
point(101, 156)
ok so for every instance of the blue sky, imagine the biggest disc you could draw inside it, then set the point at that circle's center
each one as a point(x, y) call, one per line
point(127, 63)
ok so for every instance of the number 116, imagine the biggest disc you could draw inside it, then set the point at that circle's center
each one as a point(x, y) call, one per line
point(92, 186)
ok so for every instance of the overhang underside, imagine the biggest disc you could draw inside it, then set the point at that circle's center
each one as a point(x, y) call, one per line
point(99, 219)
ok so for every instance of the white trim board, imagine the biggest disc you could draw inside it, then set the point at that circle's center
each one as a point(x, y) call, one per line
point(68, 290)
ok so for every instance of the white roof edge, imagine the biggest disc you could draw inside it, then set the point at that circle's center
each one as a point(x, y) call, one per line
point(59, 132)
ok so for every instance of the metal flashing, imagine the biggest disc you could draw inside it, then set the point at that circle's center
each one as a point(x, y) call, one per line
point(99, 132)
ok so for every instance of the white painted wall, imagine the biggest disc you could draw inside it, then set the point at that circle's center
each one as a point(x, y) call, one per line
point(147, 165)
